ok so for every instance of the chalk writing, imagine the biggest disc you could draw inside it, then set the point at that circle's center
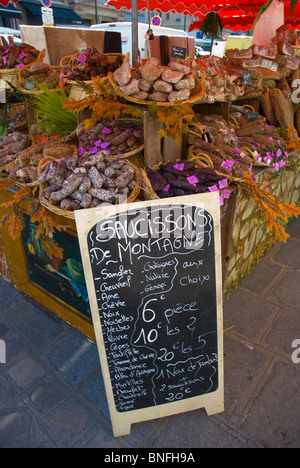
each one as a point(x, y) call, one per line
point(154, 276)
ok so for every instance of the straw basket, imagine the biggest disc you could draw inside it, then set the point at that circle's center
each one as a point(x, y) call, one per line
point(36, 80)
point(14, 109)
point(70, 214)
point(252, 157)
point(196, 94)
point(10, 75)
point(53, 150)
point(150, 194)
point(135, 156)
point(296, 51)
point(77, 92)
point(204, 159)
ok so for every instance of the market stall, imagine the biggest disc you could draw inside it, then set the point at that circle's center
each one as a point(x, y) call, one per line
point(92, 132)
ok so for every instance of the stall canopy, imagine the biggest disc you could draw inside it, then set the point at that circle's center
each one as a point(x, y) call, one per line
point(198, 8)
point(6, 2)
point(239, 20)
point(10, 12)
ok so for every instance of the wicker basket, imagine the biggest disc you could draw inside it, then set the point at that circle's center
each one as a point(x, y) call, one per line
point(17, 108)
point(76, 91)
point(72, 61)
point(150, 194)
point(135, 156)
point(10, 75)
point(53, 150)
point(196, 94)
point(252, 157)
point(36, 79)
point(205, 160)
point(296, 51)
point(59, 150)
point(70, 214)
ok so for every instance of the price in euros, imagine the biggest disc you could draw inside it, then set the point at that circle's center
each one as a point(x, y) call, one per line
point(148, 315)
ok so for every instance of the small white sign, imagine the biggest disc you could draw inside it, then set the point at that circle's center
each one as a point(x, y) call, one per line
point(2, 352)
point(47, 16)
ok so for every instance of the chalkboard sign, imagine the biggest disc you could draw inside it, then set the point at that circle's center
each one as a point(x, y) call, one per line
point(178, 52)
point(252, 116)
point(154, 279)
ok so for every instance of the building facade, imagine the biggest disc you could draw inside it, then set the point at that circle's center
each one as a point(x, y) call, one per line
point(82, 14)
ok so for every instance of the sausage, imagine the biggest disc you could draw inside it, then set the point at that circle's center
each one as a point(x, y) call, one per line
point(96, 178)
point(103, 195)
point(124, 179)
point(76, 195)
point(60, 170)
point(92, 159)
point(121, 138)
point(72, 162)
point(109, 172)
point(85, 185)
point(51, 172)
point(109, 182)
point(65, 204)
point(86, 200)
point(74, 180)
point(116, 164)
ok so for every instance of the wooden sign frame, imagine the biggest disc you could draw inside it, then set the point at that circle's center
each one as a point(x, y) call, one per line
point(212, 402)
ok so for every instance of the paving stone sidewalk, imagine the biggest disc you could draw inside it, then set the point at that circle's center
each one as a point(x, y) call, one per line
point(52, 393)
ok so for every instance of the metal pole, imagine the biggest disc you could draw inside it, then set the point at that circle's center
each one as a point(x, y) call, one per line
point(134, 31)
point(96, 12)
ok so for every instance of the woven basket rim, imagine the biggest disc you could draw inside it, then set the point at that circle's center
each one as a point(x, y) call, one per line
point(71, 214)
point(130, 153)
point(193, 157)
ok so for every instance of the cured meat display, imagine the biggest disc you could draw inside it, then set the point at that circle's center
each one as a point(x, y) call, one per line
point(154, 82)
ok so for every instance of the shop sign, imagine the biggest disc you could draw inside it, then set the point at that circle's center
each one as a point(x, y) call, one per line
point(47, 16)
point(153, 273)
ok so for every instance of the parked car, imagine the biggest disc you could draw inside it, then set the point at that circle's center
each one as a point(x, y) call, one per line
point(9, 35)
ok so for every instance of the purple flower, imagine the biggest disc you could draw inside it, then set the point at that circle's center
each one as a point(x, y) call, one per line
point(105, 144)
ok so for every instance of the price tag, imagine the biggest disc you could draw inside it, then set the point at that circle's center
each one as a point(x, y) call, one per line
point(253, 116)
point(178, 52)
point(247, 77)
